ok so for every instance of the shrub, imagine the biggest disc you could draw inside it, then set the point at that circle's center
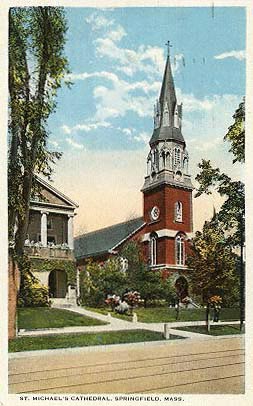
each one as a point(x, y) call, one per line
point(32, 293)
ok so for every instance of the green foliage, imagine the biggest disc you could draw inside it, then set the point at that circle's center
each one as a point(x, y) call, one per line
point(48, 265)
point(32, 293)
point(169, 291)
point(41, 317)
point(231, 214)
point(236, 134)
point(100, 280)
point(140, 277)
point(37, 68)
point(212, 263)
point(83, 340)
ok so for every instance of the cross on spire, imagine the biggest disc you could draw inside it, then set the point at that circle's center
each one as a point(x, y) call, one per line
point(168, 47)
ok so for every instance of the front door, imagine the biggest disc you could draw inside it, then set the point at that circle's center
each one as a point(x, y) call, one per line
point(57, 284)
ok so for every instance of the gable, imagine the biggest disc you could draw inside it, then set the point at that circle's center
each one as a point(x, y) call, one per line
point(50, 195)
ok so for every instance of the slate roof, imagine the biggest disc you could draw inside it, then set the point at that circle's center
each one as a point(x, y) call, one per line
point(168, 95)
point(101, 241)
point(168, 134)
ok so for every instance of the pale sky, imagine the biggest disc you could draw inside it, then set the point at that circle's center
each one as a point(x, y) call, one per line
point(104, 122)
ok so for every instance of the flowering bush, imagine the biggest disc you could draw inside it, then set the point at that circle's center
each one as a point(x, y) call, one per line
point(132, 298)
point(112, 300)
point(122, 308)
point(215, 300)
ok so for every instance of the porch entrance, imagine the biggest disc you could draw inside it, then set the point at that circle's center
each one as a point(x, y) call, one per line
point(57, 284)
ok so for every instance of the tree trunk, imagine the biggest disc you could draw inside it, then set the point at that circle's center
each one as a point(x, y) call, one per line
point(23, 220)
point(208, 318)
point(13, 287)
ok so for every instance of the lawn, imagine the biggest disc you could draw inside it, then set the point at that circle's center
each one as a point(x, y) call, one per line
point(31, 318)
point(165, 314)
point(82, 340)
point(214, 330)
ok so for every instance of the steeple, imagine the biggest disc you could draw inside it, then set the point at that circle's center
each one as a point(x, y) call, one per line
point(167, 113)
point(167, 161)
point(167, 97)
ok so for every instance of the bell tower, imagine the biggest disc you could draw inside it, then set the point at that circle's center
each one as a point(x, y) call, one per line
point(167, 188)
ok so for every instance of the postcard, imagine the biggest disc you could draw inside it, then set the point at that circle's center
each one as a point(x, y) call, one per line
point(126, 202)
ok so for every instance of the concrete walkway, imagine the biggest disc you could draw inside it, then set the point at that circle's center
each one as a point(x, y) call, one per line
point(115, 324)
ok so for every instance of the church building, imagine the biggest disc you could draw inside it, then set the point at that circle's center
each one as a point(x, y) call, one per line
point(167, 222)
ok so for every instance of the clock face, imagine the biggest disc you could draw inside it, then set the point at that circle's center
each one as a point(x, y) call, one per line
point(155, 213)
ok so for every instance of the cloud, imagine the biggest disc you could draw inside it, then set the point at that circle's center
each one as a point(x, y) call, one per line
point(148, 60)
point(97, 22)
point(240, 55)
point(192, 103)
point(85, 127)
point(117, 34)
point(120, 96)
point(74, 144)
point(205, 145)
point(143, 137)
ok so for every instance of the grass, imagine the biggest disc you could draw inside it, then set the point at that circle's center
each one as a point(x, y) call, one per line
point(214, 330)
point(31, 318)
point(165, 314)
point(82, 340)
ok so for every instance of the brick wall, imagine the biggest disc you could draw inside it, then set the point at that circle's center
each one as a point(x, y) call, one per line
point(165, 198)
point(13, 276)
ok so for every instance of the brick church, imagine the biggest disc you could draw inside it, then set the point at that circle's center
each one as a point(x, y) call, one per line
point(167, 224)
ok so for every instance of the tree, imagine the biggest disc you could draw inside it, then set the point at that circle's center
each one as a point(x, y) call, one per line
point(140, 277)
point(236, 134)
point(212, 263)
point(37, 67)
point(101, 280)
point(232, 213)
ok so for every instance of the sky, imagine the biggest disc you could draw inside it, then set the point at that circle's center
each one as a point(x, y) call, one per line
point(104, 122)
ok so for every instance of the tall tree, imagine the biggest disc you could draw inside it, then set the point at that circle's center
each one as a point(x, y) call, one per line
point(212, 263)
point(231, 216)
point(37, 67)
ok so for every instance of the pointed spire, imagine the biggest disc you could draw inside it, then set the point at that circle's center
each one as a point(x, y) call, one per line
point(168, 115)
point(168, 94)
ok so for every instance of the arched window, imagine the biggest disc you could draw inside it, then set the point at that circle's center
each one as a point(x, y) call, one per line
point(180, 250)
point(186, 164)
point(153, 249)
point(177, 157)
point(178, 212)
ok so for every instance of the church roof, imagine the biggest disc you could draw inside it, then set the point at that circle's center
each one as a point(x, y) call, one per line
point(106, 239)
point(168, 102)
point(167, 134)
point(168, 94)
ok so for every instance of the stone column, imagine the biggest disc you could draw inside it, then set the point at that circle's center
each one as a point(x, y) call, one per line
point(43, 231)
point(70, 231)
